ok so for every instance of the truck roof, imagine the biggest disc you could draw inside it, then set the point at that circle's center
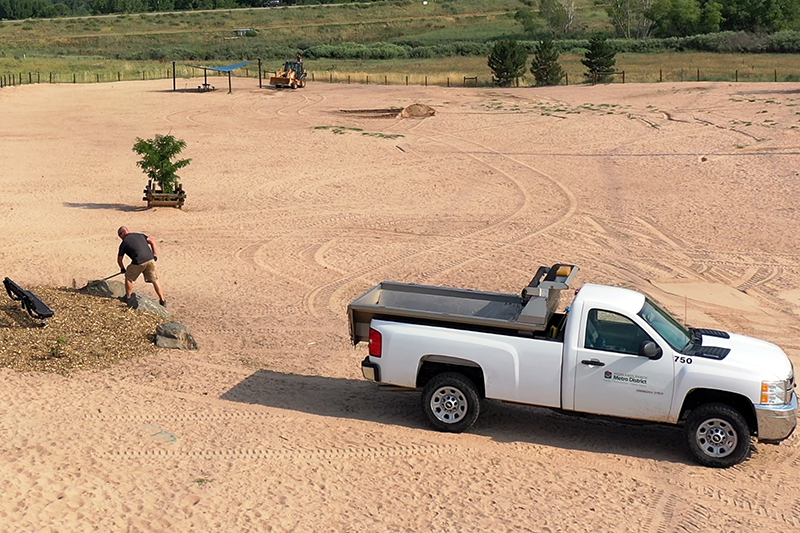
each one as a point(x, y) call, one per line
point(611, 298)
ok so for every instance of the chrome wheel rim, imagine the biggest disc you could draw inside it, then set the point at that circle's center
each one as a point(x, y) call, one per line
point(716, 437)
point(448, 405)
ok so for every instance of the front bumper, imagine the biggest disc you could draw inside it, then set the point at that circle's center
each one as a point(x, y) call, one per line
point(370, 370)
point(776, 422)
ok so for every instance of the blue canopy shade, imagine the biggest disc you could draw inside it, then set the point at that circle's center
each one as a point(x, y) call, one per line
point(226, 68)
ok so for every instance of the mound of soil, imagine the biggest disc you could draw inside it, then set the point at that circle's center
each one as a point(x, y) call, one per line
point(417, 110)
point(86, 332)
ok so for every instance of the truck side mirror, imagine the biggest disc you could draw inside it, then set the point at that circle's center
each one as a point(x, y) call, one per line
point(650, 350)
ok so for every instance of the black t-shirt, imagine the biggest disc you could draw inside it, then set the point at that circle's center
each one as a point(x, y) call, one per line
point(135, 246)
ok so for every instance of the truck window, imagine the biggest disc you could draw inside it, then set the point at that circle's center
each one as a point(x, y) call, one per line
point(612, 332)
point(666, 326)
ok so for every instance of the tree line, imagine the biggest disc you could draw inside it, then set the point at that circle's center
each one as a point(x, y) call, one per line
point(642, 19)
point(508, 61)
point(24, 9)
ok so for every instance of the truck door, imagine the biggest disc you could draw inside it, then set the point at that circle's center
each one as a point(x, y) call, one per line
point(611, 378)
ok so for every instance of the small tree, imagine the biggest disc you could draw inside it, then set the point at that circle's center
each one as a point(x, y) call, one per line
point(544, 66)
point(507, 61)
point(157, 154)
point(599, 60)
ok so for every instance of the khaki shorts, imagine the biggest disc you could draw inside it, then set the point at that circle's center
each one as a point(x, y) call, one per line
point(148, 269)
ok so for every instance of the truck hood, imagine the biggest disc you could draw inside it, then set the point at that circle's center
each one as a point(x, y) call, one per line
point(751, 354)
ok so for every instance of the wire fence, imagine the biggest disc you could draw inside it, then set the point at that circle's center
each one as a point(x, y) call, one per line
point(454, 80)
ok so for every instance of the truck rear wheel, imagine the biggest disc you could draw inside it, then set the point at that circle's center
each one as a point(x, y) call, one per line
point(451, 402)
point(718, 435)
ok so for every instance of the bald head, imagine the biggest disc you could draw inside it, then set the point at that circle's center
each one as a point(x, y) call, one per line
point(122, 231)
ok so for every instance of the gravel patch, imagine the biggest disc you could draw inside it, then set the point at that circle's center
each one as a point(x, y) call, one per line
point(86, 332)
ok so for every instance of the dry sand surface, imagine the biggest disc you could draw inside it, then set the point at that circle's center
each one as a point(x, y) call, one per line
point(686, 191)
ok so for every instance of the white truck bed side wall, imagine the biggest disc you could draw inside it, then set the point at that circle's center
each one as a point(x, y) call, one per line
point(515, 369)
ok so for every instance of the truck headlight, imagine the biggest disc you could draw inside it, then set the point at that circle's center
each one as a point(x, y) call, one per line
point(777, 392)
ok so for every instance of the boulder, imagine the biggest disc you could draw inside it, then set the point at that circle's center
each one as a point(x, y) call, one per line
point(143, 303)
point(174, 335)
point(106, 289)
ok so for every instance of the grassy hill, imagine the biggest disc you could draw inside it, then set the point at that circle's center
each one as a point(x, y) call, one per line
point(111, 47)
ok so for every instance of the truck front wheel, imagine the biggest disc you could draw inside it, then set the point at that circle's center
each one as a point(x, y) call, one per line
point(718, 435)
point(451, 402)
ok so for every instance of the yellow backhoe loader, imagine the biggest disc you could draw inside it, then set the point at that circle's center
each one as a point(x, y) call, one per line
point(293, 75)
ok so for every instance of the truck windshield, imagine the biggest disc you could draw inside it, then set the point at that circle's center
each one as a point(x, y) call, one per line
point(670, 329)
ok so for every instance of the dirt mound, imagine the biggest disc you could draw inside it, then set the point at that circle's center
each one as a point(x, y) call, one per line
point(417, 110)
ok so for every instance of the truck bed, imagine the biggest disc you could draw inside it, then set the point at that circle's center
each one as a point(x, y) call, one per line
point(437, 304)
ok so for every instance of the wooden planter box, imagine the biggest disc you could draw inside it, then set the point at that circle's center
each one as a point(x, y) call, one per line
point(158, 198)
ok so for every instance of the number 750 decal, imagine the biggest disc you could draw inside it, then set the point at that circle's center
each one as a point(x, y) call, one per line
point(681, 359)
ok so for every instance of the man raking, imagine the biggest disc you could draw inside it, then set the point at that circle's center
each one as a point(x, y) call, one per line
point(142, 251)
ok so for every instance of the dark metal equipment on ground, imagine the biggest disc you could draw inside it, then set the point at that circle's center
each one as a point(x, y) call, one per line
point(35, 307)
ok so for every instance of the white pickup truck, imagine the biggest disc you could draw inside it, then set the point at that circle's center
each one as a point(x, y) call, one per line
point(612, 352)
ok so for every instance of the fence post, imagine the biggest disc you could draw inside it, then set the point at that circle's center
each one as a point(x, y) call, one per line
point(348, 79)
point(660, 75)
point(20, 78)
point(331, 77)
point(312, 76)
point(406, 79)
point(385, 79)
point(30, 78)
point(736, 77)
point(367, 79)
point(119, 76)
point(566, 77)
point(426, 81)
point(38, 77)
point(776, 74)
point(681, 74)
point(448, 81)
point(74, 79)
point(623, 77)
point(98, 78)
point(698, 74)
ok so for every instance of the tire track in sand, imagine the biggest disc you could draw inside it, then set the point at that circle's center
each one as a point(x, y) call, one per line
point(325, 292)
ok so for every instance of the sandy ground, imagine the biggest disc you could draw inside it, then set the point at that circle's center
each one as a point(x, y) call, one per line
point(686, 191)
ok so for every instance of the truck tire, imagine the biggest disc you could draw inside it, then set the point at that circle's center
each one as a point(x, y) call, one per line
point(451, 402)
point(718, 435)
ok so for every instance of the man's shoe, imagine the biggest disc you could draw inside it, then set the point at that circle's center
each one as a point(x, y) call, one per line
point(163, 303)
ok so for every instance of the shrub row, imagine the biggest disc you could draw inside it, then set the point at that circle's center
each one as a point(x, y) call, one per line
point(787, 42)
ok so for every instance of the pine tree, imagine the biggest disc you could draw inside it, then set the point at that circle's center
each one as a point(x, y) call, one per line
point(544, 66)
point(507, 61)
point(599, 60)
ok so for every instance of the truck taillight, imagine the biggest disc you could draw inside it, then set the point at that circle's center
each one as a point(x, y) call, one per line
point(374, 342)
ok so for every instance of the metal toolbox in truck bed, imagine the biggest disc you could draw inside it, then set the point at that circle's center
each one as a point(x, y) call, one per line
point(529, 311)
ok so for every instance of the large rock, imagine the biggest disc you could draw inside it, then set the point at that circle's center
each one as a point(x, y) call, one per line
point(143, 303)
point(106, 289)
point(175, 335)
